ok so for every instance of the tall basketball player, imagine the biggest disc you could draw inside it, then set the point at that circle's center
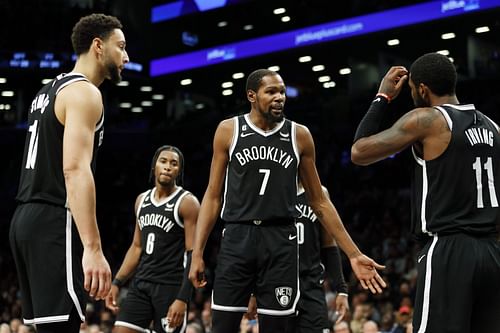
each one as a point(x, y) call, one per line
point(54, 235)
point(253, 184)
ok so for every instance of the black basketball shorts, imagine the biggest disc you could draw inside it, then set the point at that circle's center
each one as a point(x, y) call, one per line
point(146, 302)
point(259, 258)
point(458, 285)
point(312, 309)
point(48, 254)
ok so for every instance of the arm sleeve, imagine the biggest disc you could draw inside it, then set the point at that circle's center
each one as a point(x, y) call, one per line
point(330, 256)
point(186, 290)
point(371, 122)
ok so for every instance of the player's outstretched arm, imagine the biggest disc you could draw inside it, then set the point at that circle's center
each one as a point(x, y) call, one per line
point(330, 258)
point(364, 268)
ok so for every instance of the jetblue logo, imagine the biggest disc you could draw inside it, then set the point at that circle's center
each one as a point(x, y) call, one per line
point(223, 54)
point(466, 5)
point(283, 295)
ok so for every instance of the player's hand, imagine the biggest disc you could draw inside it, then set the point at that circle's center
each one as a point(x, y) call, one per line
point(176, 313)
point(111, 299)
point(197, 270)
point(365, 270)
point(97, 274)
point(252, 308)
point(393, 81)
point(341, 306)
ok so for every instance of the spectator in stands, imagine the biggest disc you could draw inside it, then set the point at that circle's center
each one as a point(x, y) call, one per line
point(370, 327)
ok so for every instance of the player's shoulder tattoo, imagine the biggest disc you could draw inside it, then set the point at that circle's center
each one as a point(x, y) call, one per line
point(426, 117)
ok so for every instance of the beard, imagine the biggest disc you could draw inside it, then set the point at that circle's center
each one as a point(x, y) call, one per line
point(419, 102)
point(113, 73)
point(273, 118)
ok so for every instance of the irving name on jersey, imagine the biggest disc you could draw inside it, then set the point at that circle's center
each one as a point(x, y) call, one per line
point(479, 135)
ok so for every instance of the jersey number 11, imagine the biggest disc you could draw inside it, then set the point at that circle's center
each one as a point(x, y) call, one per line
point(488, 166)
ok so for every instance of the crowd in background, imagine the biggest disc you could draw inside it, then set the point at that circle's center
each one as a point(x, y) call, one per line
point(373, 202)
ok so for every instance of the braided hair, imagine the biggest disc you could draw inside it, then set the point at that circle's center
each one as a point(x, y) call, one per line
point(180, 177)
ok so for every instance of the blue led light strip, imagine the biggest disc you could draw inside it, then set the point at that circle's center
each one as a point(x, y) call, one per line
point(175, 9)
point(327, 32)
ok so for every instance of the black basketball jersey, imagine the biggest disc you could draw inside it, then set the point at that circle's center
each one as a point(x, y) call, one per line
point(458, 191)
point(261, 176)
point(309, 239)
point(42, 177)
point(162, 238)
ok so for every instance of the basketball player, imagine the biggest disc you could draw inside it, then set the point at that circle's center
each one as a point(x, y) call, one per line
point(160, 253)
point(259, 155)
point(455, 194)
point(56, 212)
point(319, 258)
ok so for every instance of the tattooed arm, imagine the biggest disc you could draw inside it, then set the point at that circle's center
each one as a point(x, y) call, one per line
point(415, 126)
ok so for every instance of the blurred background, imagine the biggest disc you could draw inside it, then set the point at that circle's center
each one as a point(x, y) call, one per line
point(189, 63)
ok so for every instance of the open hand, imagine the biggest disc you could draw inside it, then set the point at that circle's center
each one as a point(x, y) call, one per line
point(365, 270)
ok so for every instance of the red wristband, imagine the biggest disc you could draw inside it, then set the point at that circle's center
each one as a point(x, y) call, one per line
point(385, 96)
